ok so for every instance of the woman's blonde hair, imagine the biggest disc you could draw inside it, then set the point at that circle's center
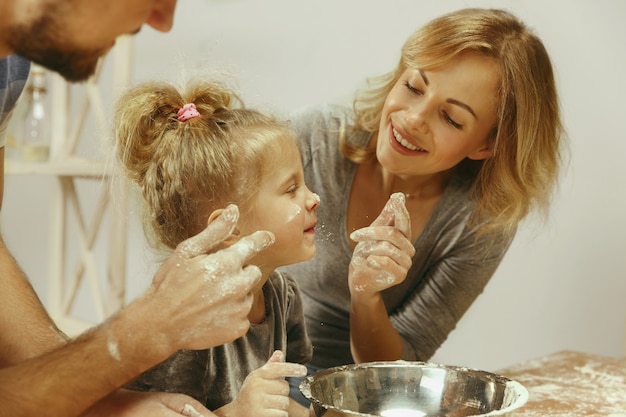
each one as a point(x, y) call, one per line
point(187, 169)
point(527, 140)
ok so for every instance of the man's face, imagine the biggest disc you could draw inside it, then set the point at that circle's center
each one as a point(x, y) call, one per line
point(69, 36)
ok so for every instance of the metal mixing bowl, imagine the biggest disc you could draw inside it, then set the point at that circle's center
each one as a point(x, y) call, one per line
point(411, 389)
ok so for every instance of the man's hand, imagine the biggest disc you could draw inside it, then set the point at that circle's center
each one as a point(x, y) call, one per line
point(199, 300)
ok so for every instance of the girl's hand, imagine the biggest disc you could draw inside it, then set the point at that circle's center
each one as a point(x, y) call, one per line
point(384, 252)
point(265, 390)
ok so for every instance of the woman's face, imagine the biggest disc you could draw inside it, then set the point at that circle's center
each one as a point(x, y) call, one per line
point(434, 119)
point(286, 207)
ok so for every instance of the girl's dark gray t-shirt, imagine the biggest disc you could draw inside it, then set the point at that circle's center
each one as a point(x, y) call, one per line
point(215, 376)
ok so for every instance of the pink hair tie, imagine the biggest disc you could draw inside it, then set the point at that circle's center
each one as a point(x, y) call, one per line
point(188, 111)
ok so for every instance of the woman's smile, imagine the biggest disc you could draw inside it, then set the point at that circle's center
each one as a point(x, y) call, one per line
point(401, 140)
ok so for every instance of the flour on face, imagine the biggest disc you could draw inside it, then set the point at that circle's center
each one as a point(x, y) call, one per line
point(294, 211)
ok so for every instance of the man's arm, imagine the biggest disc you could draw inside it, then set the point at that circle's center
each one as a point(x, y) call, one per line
point(26, 330)
point(1, 170)
point(196, 301)
point(72, 377)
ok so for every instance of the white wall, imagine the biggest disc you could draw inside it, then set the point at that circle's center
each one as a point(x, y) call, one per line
point(561, 286)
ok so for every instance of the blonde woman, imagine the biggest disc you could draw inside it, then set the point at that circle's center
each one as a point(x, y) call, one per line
point(465, 135)
point(194, 154)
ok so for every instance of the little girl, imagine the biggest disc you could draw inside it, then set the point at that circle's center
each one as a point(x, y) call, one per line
point(194, 154)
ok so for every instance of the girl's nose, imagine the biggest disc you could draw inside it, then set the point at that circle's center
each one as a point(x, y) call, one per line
point(313, 201)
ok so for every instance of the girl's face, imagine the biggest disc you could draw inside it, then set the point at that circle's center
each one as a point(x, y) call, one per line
point(434, 119)
point(286, 207)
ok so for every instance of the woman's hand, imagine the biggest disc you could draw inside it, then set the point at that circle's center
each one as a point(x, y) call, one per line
point(381, 259)
point(265, 390)
point(383, 254)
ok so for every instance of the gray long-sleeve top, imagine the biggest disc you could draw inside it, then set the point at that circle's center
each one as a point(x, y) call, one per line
point(450, 268)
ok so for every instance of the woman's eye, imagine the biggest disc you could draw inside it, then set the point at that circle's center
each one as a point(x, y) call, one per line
point(292, 189)
point(452, 122)
point(411, 88)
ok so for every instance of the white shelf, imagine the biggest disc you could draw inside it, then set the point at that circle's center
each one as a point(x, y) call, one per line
point(88, 230)
point(72, 166)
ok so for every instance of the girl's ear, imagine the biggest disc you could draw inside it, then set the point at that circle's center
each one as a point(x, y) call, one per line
point(234, 236)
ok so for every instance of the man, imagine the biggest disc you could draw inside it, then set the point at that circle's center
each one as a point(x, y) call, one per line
point(41, 373)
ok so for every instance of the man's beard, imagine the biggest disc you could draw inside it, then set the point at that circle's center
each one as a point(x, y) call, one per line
point(42, 42)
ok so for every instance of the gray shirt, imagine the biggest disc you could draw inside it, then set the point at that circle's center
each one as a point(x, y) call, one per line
point(214, 376)
point(450, 268)
point(13, 75)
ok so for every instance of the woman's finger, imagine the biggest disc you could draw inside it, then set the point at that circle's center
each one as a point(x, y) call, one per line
point(401, 217)
point(384, 234)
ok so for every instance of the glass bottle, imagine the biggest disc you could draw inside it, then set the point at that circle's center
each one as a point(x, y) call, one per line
point(36, 127)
